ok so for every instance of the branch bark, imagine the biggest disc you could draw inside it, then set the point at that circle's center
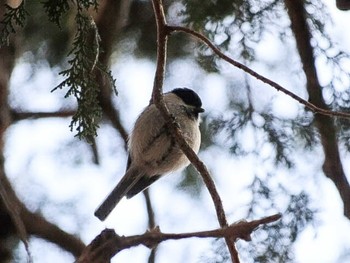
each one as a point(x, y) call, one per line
point(108, 243)
point(332, 166)
point(38, 226)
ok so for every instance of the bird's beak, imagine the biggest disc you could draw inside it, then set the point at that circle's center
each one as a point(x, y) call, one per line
point(200, 110)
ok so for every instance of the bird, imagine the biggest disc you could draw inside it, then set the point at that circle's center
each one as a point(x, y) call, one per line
point(153, 151)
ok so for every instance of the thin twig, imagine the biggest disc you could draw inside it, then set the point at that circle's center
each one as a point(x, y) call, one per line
point(253, 73)
point(151, 223)
point(23, 115)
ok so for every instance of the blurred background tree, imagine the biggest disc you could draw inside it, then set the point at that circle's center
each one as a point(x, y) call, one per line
point(267, 152)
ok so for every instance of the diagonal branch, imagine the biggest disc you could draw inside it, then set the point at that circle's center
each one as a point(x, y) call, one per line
point(310, 105)
point(162, 38)
point(27, 223)
point(38, 226)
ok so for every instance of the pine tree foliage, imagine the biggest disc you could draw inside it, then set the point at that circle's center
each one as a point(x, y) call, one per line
point(85, 68)
point(81, 77)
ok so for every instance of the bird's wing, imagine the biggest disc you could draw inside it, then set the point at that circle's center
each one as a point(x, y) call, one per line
point(131, 177)
point(128, 163)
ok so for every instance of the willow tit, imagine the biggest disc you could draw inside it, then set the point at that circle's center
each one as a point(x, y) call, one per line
point(153, 152)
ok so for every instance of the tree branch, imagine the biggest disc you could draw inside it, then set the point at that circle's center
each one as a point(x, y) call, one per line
point(27, 223)
point(108, 243)
point(162, 37)
point(17, 115)
point(38, 226)
point(311, 106)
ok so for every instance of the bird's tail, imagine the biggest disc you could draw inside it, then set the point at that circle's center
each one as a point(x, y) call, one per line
point(130, 178)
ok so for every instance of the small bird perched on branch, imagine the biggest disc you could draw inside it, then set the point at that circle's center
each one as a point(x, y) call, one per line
point(153, 151)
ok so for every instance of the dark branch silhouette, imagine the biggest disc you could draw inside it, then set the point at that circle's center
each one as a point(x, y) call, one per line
point(108, 243)
point(18, 115)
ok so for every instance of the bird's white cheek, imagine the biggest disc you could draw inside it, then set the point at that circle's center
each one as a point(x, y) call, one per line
point(197, 141)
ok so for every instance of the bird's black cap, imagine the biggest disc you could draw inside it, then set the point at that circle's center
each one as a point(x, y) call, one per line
point(188, 96)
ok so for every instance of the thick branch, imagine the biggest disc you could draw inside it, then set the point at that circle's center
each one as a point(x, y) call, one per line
point(108, 243)
point(38, 226)
point(28, 223)
point(332, 165)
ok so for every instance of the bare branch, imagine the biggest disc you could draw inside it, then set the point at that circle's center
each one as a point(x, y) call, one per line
point(22, 115)
point(38, 226)
point(108, 243)
point(251, 72)
point(162, 37)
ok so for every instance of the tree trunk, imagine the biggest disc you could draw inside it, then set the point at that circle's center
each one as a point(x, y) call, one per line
point(332, 166)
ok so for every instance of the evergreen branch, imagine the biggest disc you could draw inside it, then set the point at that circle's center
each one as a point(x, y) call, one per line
point(81, 77)
point(12, 17)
